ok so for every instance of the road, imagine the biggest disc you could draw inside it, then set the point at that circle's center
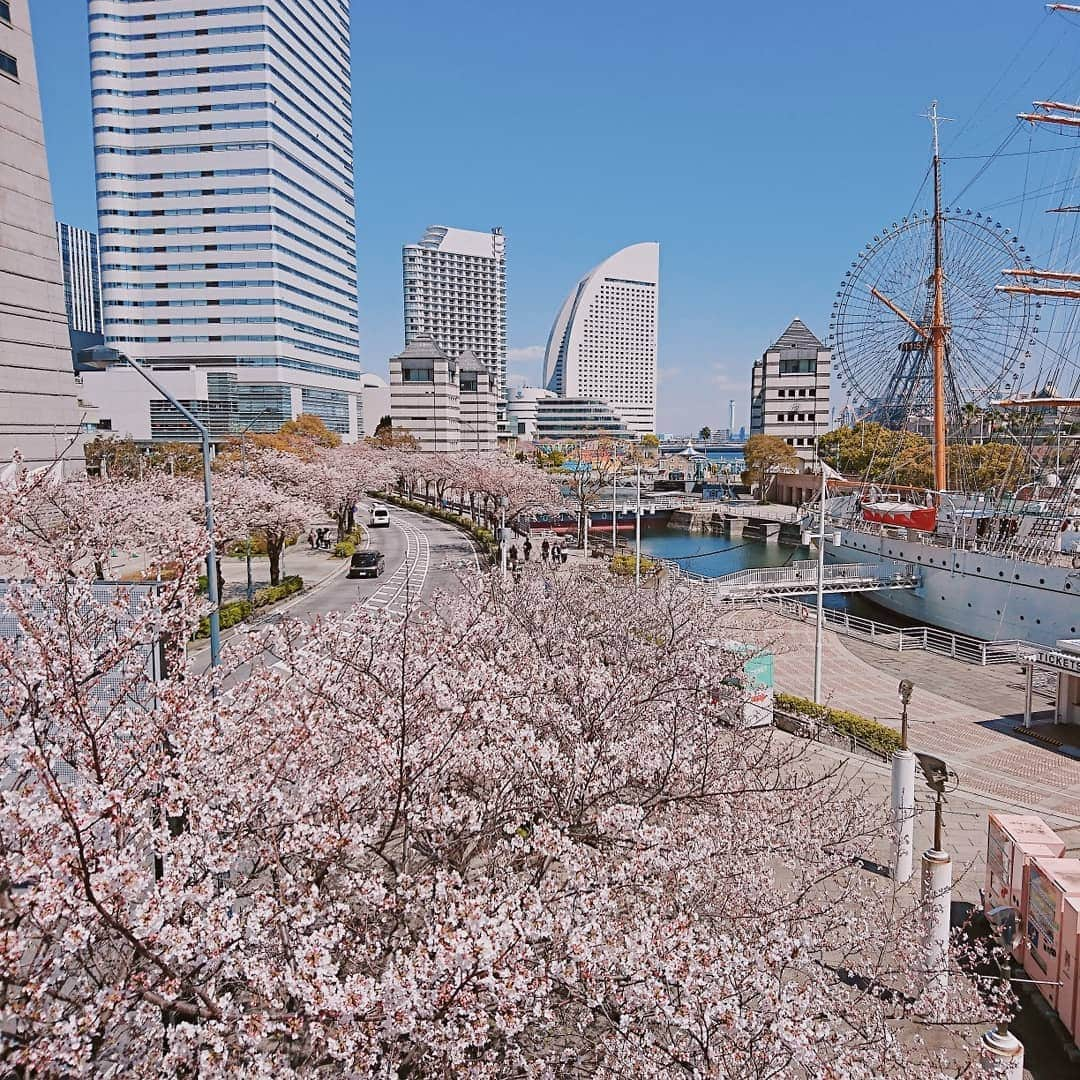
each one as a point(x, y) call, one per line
point(422, 556)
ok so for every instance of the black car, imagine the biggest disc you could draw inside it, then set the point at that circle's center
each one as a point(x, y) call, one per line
point(367, 564)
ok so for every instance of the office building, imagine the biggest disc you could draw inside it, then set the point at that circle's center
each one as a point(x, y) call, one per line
point(39, 411)
point(541, 415)
point(226, 209)
point(78, 249)
point(454, 283)
point(445, 402)
point(789, 390)
point(603, 342)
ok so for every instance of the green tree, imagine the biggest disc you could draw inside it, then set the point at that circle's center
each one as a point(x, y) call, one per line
point(765, 454)
point(384, 427)
point(120, 457)
point(705, 433)
point(650, 440)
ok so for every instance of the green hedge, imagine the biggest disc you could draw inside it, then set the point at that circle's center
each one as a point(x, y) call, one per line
point(236, 611)
point(484, 537)
point(869, 732)
point(346, 547)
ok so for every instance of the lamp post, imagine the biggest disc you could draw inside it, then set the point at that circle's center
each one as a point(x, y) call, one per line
point(208, 504)
point(243, 465)
point(819, 631)
point(614, 509)
point(903, 794)
point(502, 535)
point(637, 532)
point(936, 887)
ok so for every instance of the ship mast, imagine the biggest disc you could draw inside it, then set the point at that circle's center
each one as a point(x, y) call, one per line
point(936, 335)
point(938, 329)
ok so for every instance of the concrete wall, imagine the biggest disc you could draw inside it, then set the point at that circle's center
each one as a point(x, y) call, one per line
point(39, 413)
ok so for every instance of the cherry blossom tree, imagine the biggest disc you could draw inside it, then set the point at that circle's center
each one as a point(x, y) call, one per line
point(341, 477)
point(510, 835)
point(251, 505)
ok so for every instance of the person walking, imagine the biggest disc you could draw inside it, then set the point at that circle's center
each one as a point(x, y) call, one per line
point(311, 539)
point(545, 550)
point(513, 557)
point(562, 554)
point(555, 549)
point(527, 548)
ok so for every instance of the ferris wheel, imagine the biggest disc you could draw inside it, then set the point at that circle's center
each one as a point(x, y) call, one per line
point(886, 302)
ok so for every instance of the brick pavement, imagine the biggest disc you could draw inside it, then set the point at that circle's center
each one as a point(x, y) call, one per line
point(967, 717)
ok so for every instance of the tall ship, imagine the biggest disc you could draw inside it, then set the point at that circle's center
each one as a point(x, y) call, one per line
point(957, 353)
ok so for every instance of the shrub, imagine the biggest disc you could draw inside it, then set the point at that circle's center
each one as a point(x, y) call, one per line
point(271, 594)
point(348, 544)
point(623, 565)
point(869, 732)
point(228, 615)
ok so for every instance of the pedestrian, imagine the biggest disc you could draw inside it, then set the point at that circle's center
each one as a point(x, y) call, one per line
point(562, 554)
point(311, 539)
point(513, 556)
point(555, 550)
point(545, 550)
point(527, 548)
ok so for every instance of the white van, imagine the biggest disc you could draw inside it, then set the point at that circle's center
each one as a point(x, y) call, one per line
point(380, 518)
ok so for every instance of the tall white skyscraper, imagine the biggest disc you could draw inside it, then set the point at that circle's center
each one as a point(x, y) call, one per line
point(603, 342)
point(39, 413)
point(226, 208)
point(455, 292)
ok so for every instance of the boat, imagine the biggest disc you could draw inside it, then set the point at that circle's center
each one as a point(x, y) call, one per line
point(904, 515)
point(932, 354)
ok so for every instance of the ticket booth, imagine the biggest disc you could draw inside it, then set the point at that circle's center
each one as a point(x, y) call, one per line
point(1013, 840)
point(1064, 661)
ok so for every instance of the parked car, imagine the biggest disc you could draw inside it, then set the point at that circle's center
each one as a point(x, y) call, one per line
point(380, 517)
point(368, 563)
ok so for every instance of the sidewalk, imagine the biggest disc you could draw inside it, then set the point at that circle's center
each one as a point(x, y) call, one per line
point(963, 713)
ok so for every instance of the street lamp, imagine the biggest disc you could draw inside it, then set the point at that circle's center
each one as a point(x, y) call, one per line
point(936, 881)
point(243, 465)
point(903, 793)
point(208, 498)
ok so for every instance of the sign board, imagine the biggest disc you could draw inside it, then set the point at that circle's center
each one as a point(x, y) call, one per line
point(755, 682)
point(1059, 661)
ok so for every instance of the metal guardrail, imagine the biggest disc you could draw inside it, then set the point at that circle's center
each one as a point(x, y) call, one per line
point(900, 638)
point(797, 578)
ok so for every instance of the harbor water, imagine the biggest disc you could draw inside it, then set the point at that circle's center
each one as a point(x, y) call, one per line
point(714, 556)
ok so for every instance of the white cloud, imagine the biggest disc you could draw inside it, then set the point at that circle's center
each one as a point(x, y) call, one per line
point(528, 354)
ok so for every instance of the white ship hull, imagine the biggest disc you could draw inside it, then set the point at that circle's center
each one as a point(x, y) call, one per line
point(993, 597)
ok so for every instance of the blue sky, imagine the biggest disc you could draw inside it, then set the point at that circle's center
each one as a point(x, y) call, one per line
point(760, 144)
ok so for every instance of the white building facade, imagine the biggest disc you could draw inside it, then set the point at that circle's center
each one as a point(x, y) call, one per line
point(541, 415)
point(454, 283)
point(226, 207)
point(40, 415)
point(789, 390)
point(603, 343)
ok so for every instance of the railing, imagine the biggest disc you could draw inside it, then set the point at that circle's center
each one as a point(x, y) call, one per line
point(898, 638)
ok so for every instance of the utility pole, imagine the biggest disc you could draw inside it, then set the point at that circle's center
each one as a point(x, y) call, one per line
point(637, 532)
point(819, 633)
point(938, 329)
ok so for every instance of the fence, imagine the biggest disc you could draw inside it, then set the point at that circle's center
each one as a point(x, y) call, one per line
point(898, 638)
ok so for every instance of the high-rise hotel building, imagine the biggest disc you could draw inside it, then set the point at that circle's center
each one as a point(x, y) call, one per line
point(455, 293)
point(602, 344)
point(226, 210)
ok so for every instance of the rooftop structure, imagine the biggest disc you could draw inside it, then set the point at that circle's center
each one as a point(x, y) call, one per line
point(536, 415)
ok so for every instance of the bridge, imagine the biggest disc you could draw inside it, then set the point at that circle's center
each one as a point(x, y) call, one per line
point(800, 578)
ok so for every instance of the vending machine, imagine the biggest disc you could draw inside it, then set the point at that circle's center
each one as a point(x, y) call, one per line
point(1051, 882)
point(1069, 992)
point(1013, 840)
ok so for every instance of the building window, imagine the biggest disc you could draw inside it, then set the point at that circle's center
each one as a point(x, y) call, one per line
point(9, 65)
point(5, 12)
